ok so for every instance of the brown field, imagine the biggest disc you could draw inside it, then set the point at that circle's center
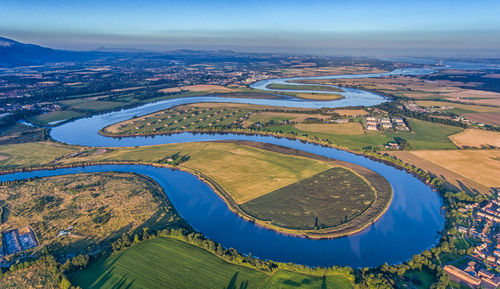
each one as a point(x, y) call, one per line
point(491, 118)
point(341, 128)
point(476, 138)
point(198, 87)
point(469, 170)
point(3, 157)
point(477, 108)
point(351, 112)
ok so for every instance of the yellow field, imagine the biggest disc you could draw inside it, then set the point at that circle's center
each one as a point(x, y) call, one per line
point(198, 87)
point(27, 154)
point(477, 108)
point(244, 172)
point(481, 166)
point(341, 128)
point(476, 138)
point(319, 96)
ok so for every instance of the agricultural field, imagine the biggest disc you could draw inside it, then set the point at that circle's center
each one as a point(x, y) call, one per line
point(209, 117)
point(258, 171)
point(54, 117)
point(287, 280)
point(73, 213)
point(165, 261)
point(326, 199)
point(480, 113)
point(90, 104)
point(476, 138)
point(351, 128)
point(468, 170)
point(33, 153)
point(181, 265)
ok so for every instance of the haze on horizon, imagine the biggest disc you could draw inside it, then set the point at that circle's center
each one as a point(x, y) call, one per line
point(360, 27)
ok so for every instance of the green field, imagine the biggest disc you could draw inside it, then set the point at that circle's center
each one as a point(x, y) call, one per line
point(423, 134)
point(90, 105)
point(323, 200)
point(286, 279)
point(165, 263)
point(303, 87)
point(55, 116)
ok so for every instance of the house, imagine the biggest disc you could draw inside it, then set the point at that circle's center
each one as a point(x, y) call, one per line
point(462, 277)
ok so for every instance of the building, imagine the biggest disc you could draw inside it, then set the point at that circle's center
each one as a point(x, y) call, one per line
point(462, 277)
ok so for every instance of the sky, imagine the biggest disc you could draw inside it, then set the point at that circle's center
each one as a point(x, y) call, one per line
point(355, 27)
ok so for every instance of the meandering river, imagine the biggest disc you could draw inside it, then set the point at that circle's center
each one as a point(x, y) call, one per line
point(411, 224)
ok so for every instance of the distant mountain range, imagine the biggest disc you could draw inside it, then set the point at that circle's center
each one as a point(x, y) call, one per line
point(13, 53)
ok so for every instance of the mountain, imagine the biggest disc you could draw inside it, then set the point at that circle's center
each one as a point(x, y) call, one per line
point(13, 53)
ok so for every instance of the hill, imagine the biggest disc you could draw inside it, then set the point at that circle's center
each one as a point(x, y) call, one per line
point(14, 53)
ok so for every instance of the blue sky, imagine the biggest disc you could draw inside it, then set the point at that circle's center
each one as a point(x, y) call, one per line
point(344, 27)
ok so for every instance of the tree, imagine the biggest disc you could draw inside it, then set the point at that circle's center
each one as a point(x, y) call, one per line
point(65, 284)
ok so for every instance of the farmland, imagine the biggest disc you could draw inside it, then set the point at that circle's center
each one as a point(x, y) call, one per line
point(319, 201)
point(476, 138)
point(169, 261)
point(165, 261)
point(245, 118)
point(90, 209)
point(468, 170)
point(286, 279)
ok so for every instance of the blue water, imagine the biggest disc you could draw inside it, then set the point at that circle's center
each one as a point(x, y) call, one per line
point(411, 224)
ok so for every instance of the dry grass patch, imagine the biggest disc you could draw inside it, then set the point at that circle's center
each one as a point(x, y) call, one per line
point(476, 138)
point(349, 128)
point(92, 208)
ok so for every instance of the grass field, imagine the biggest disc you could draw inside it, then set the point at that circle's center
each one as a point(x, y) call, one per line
point(167, 263)
point(170, 263)
point(476, 138)
point(424, 135)
point(326, 199)
point(93, 208)
point(90, 104)
point(55, 116)
point(349, 128)
point(287, 280)
point(27, 154)
point(243, 171)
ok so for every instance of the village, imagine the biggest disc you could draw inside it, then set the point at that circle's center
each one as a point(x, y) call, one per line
point(483, 260)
